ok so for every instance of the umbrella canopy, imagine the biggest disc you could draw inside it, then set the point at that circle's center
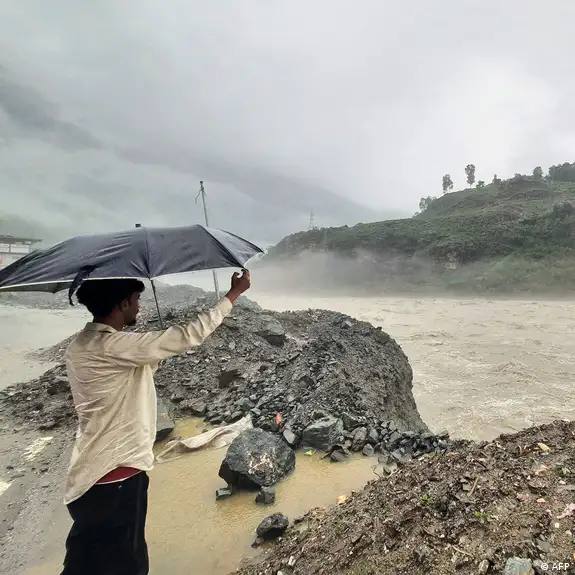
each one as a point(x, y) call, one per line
point(142, 253)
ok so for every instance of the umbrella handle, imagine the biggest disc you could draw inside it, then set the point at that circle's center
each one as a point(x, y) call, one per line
point(157, 305)
point(78, 280)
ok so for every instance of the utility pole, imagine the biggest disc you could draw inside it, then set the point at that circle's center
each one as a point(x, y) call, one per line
point(203, 194)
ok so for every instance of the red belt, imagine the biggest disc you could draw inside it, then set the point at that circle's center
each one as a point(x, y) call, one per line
point(118, 474)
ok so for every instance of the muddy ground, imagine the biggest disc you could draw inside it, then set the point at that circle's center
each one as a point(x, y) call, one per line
point(465, 512)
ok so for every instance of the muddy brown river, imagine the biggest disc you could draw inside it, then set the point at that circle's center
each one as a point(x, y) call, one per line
point(481, 367)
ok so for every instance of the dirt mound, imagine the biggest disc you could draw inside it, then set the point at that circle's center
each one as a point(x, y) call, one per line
point(466, 512)
point(286, 369)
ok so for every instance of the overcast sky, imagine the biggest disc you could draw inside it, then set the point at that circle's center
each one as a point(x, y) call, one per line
point(112, 111)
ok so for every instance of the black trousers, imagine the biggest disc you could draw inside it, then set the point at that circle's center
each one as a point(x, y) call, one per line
point(108, 534)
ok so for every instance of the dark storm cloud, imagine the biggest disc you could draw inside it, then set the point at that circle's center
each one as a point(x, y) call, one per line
point(38, 117)
point(352, 110)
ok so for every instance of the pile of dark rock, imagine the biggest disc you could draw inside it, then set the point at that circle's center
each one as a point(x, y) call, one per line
point(340, 437)
point(43, 403)
point(317, 378)
point(285, 368)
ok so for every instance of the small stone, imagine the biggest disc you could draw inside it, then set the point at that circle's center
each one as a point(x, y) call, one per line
point(483, 567)
point(389, 468)
point(537, 485)
point(48, 424)
point(368, 450)
point(422, 553)
point(393, 439)
point(228, 375)
point(543, 546)
point(350, 421)
point(235, 416)
point(266, 496)
point(258, 541)
point(58, 385)
point(518, 566)
point(289, 436)
point(544, 447)
point(338, 455)
point(274, 333)
point(359, 438)
point(323, 433)
point(400, 457)
point(223, 492)
point(373, 436)
point(272, 526)
point(197, 408)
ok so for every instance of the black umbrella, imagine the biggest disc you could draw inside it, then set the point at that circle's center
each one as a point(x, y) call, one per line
point(142, 253)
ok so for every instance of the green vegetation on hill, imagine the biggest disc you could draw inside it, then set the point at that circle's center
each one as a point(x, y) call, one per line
point(517, 234)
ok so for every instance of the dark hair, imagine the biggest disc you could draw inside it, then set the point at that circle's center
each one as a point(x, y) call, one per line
point(102, 296)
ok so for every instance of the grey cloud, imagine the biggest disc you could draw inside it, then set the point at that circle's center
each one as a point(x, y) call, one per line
point(40, 118)
point(352, 110)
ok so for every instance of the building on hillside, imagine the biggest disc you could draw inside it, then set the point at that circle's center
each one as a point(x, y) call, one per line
point(13, 248)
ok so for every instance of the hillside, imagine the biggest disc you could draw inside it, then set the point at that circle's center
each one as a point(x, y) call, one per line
point(513, 236)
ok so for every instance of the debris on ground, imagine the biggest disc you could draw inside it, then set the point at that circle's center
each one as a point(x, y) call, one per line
point(492, 507)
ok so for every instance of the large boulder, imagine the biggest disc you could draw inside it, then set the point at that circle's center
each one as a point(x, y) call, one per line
point(257, 458)
point(323, 434)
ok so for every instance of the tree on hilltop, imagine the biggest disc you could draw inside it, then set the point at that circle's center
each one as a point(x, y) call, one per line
point(470, 173)
point(447, 183)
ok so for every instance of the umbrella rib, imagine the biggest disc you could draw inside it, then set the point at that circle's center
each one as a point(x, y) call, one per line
point(221, 245)
point(67, 281)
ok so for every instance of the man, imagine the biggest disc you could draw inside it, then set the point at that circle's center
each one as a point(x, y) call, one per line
point(111, 377)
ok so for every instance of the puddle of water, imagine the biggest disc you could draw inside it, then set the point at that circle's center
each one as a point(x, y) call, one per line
point(188, 531)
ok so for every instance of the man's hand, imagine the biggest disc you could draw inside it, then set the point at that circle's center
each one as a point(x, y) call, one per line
point(240, 284)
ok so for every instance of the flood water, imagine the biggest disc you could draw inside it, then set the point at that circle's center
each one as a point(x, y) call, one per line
point(26, 329)
point(481, 367)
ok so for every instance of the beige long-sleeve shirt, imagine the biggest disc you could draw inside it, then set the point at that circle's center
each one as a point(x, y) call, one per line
point(111, 375)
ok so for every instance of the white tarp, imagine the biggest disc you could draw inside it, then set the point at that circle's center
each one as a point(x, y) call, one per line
point(215, 438)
